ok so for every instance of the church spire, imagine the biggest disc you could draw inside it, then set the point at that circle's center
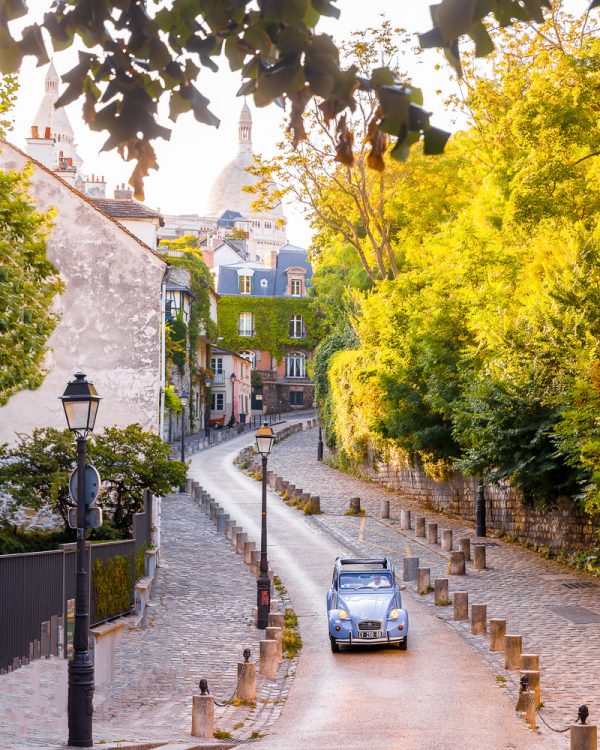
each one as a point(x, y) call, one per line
point(245, 127)
point(52, 80)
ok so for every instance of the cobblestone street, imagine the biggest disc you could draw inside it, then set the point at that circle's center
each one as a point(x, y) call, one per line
point(197, 625)
point(519, 586)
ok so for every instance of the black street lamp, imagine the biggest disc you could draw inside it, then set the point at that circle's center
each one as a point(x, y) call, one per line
point(265, 438)
point(80, 402)
point(480, 524)
point(207, 383)
point(233, 379)
point(320, 443)
point(184, 398)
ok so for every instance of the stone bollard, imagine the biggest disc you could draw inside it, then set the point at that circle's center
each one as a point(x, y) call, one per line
point(229, 527)
point(405, 519)
point(431, 529)
point(248, 549)
point(583, 737)
point(530, 661)
point(315, 505)
point(533, 679)
point(275, 634)
point(189, 483)
point(478, 619)
point(479, 556)
point(278, 484)
point(464, 545)
point(203, 716)
point(456, 567)
point(254, 561)
point(411, 565)
point(497, 634)
point(423, 580)
point(420, 526)
point(384, 509)
point(461, 605)
point(354, 506)
point(246, 684)
point(222, 519)
point(240, 539)
point(268, 658)
point(275, 620)
point(442, 597)
point(274, 606)
point(513, 647)
point(447, 540)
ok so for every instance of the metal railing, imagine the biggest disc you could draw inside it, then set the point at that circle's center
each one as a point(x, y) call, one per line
point(37, 587)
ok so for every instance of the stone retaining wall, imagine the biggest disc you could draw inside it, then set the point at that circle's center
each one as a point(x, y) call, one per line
point(564, 528)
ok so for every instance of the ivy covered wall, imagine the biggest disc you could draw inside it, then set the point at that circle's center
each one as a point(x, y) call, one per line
point(271, 317)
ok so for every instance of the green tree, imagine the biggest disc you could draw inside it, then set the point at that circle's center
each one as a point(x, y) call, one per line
point(145, 53)
point(35, 472)
point(28, 285)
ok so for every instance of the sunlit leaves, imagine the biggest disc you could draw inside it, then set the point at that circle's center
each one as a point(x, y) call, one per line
point(155, 47)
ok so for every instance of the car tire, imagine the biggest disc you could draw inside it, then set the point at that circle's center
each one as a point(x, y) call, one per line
point(403, 645)
point(335, 647)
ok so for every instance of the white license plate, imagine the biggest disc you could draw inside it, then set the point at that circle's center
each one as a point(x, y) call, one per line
point(370, 633)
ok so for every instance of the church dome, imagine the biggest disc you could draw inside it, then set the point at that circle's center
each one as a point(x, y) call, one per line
point(226, 193)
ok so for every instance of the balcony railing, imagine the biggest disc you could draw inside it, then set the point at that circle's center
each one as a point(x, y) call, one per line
point(268, 375)
point(219, 378)
point(245, 331)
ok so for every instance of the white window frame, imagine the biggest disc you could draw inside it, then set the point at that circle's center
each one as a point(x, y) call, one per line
point(217, 398)
point(246, 324)
point(245, 284)
point(296, 288)
point(297, 327)
point(249, 356)
point(295, 365)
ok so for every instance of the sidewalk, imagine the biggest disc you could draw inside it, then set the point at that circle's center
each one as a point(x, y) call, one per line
point(557, 611)
point(197, 625)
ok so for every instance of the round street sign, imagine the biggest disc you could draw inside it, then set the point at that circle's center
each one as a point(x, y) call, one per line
point(92, 484)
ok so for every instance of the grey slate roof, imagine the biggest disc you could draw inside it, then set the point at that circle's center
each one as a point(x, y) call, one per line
point(276, 278)
point(126, 209)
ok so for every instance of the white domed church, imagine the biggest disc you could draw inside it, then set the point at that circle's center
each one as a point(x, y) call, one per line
point(231, 230)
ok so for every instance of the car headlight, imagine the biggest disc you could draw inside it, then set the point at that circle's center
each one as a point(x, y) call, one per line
point(394, 614)
point(342, 614)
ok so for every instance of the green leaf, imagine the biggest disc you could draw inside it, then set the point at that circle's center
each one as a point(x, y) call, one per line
point(401, 150)
point(235, 53)
point(435, 141)
point(257, 38)
point(483, 42)
point(178, 105)
point(325, 8)
point(394, 103)
point(32, 43)
point(382, 77)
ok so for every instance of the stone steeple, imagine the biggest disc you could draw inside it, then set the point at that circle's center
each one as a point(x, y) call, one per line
point(245, 128)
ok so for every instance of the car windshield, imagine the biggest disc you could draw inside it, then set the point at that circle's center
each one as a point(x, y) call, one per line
point(365, 581)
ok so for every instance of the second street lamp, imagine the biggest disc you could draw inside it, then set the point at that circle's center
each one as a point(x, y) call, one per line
point(265, 438)
point(207, 383)
point(183, 398)
point(80, 401)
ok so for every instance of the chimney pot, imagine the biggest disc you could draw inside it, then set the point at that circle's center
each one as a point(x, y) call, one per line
point(35, 133)
point(47, 133)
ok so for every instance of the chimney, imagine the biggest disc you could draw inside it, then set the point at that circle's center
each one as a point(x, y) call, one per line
point(122, 193)
point(47, 134)
point(35, 132)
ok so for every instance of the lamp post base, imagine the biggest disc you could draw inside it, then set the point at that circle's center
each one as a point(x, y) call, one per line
point(263, 600)
point(81, 700)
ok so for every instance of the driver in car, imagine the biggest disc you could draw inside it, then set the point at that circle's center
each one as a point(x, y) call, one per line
point(377, 582)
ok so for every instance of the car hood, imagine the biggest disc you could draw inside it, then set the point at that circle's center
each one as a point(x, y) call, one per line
point(367, 606)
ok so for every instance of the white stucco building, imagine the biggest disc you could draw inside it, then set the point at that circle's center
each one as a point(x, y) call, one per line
point(111, 312)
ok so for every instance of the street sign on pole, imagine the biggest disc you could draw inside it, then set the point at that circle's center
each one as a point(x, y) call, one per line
point(92, 484)
point(93, 515)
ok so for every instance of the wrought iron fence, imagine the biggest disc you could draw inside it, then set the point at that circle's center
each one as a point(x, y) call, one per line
point(37, 592)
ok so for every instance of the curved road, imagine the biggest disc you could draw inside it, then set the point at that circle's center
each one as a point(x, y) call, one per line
point(437, 695)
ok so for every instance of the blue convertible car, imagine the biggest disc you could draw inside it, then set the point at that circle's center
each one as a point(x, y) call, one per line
point(364, 604)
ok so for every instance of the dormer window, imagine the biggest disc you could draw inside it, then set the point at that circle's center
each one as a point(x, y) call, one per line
point(296, 287)
point(245, 284)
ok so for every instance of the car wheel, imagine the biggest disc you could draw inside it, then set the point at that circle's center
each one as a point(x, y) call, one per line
point(403, 645)
point(334, 646)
